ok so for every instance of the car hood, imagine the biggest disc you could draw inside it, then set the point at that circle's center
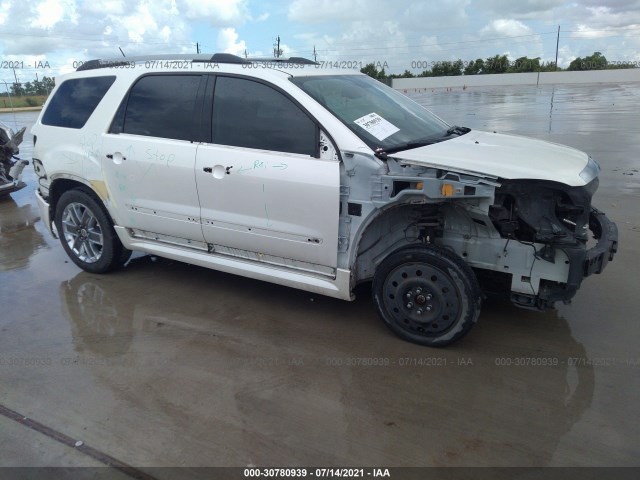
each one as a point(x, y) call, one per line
point(502, 156)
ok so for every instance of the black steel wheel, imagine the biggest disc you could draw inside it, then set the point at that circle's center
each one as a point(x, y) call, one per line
point(86, 233)
point(427, 295)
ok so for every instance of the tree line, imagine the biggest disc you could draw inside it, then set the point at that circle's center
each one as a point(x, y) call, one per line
point(496, 64)
point(36, 87)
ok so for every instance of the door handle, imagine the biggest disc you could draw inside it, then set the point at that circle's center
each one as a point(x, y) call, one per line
point(117, 157)
point(218, 171)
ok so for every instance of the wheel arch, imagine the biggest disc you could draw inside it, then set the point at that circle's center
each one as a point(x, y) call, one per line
point(391, 228)
point(61, 185)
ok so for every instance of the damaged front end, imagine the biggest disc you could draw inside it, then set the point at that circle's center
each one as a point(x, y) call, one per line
point(11, 166)
point(554, 217)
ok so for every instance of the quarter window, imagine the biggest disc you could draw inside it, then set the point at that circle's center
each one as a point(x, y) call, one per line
point(75, 100)
point(163, 106)
point(253, 115)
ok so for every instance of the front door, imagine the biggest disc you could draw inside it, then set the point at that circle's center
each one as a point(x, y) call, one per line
point(264, 192)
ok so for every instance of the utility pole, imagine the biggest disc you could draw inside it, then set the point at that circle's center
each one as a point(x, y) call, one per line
point(245, 53)
point(557, 43)
point(276, 50)
point(17, 84)
point(315, 55)
point(197, 47)
point(121, 52)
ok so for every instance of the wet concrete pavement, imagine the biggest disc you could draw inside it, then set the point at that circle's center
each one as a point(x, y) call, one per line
point(167, 364)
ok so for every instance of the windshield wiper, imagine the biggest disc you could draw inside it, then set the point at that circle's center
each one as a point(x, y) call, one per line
point(383, 152)
point(457, 130)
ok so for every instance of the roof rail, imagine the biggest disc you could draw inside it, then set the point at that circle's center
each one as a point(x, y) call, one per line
point(122, 61)
point(298, 60)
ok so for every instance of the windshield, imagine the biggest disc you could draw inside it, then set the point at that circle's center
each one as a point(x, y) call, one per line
point(380, 116)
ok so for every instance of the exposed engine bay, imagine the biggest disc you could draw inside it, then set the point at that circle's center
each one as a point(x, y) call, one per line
point(543, 211)
point(558, 217)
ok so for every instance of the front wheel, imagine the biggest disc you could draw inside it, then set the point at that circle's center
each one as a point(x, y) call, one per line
point(427, 295)
point(87, 234)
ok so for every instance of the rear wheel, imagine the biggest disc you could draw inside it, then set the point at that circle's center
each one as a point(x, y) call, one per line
point(427, 295)
point(86, 233)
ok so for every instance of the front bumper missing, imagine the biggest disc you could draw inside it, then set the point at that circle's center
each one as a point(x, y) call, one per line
point(606, 232)
point(582, 263)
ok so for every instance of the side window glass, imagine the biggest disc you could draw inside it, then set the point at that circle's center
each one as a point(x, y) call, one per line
point(163, 106)
point(75, 100)
point(253, 115)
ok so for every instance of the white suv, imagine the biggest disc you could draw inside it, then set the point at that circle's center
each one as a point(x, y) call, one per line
point(315, 179)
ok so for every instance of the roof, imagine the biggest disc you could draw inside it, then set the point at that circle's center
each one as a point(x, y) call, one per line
point(293, 66)
point(199, 58)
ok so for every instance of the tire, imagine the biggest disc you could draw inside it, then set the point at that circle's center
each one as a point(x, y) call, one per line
point(427, 295)
point(86, 233)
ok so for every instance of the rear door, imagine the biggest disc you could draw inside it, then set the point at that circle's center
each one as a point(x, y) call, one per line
point(264, 192)
point(150, 154)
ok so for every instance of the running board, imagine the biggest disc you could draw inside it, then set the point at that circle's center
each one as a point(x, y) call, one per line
point(336, 288)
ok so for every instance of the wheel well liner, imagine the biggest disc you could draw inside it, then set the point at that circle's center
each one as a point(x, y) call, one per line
point(395, 227)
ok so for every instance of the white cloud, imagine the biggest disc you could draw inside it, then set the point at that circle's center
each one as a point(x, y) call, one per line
point(104, 7)
point(396, 34)
point(603, 16)
point(524, 9)
point(317, 11)
point(227, 42)
point(49, 12)
point(586, 32)
point(421, 16)
point(217, 12)
point(506, 28)
point(623, 6)
point(4, 11)
point(165, 33)
point(139, 23)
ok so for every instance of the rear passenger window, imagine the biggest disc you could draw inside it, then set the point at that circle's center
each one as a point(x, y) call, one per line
point(163, 106)
point(253, 115)
point(75, 100)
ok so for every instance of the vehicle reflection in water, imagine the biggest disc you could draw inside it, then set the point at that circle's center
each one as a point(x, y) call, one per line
point(95, 318)
point(19, 240)
point(271, 374)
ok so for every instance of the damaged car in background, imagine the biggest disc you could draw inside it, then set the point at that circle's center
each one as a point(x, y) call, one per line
point(314, 179)
point(11, 166)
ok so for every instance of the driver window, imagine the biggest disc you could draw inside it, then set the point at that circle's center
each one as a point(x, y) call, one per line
point(253, 115)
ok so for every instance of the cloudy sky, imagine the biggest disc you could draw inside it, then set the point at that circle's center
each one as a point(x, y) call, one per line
point(48, 37)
